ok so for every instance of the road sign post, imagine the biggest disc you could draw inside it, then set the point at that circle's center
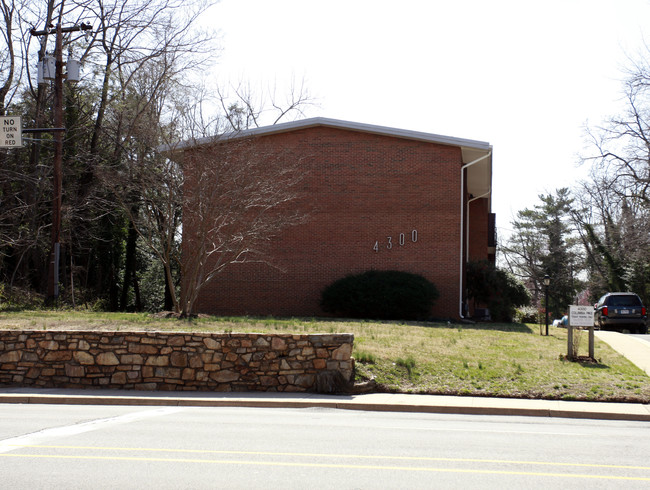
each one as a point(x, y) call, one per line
point(11, 132)
point(580, 316)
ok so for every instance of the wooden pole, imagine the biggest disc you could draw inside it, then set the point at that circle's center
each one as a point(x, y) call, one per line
point(53, 282)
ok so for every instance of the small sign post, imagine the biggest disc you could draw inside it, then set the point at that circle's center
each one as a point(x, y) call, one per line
point(580, 316)
point(11, 132)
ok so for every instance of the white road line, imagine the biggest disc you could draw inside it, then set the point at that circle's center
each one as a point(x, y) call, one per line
point(492, 431)
point(44, 435)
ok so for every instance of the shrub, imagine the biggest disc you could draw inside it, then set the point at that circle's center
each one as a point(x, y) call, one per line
point(16, 299)
point(526, 314)
point(496, 288)
point(383, 295)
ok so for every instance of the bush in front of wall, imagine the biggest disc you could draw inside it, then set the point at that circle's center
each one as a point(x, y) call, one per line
point(497, 289)
point(381, 295)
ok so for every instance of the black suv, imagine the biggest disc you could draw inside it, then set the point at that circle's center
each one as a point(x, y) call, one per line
point(618, 311)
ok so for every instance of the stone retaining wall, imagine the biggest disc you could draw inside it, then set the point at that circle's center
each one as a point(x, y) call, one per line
point(173, 361)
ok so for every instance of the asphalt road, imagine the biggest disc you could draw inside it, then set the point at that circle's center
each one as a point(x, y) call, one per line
point(59, 446)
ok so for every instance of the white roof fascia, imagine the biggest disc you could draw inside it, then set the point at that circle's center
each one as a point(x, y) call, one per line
point(335, 123)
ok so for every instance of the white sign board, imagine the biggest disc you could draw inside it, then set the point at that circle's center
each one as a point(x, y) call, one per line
point(11, 132)
point(581, 316)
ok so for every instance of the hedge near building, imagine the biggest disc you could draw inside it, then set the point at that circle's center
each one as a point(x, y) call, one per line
point(382, 295)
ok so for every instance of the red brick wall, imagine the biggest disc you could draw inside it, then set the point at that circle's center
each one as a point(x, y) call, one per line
point(361, 189)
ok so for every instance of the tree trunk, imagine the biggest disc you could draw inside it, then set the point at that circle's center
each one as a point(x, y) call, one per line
point(129, 263)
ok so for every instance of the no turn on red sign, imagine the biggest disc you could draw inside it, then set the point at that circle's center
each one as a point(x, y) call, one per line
point(11, 132)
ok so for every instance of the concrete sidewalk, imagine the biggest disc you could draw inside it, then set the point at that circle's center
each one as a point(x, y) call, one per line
point(636, 350)
point(373, 402)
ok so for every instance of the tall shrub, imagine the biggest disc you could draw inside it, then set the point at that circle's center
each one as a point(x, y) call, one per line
point(384, 295)
point(497, 289)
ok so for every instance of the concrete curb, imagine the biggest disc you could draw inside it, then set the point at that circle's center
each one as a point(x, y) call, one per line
point(367, 402)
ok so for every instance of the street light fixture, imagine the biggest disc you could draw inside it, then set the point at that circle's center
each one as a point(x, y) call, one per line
point(547, 282)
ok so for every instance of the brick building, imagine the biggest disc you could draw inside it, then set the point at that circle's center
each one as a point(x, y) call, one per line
point(378, 198)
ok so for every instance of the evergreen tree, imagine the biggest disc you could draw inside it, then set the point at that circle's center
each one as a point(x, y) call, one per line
point(544, 243)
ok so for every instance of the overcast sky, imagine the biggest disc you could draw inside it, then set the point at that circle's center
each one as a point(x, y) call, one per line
point(525, 76)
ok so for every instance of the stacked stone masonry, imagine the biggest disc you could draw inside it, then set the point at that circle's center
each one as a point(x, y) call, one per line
point(172, 361)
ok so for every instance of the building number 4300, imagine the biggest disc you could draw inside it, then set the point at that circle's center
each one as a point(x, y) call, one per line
point(400, 241)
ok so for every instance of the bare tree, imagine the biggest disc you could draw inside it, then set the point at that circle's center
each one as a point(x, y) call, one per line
point(137, 48)
point(9, 11)
point(235, 194)
point(245, 108)
point(133, 33)
point(23, 189)
point(616, 200)
point(238, 194)
point(138, 91)
point(621, 148)
point(613, 232)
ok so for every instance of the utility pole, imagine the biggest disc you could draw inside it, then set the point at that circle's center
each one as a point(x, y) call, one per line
point(59, 132)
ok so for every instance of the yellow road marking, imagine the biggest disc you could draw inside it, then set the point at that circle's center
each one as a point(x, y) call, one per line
point(327, 465)
point(345, 456)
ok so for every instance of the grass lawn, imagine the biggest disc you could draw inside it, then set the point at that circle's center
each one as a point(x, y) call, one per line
point(504, 360)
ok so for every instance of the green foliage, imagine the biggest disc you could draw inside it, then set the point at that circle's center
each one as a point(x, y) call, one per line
point(387, 295)
point(612, 272)
point(408, 363)
point(365, 357)
point(499, 290)
point(526, 314)
point(637, 278)
point(15, 299)
point(618, 255)
point(544, 242)
point(152, 285)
